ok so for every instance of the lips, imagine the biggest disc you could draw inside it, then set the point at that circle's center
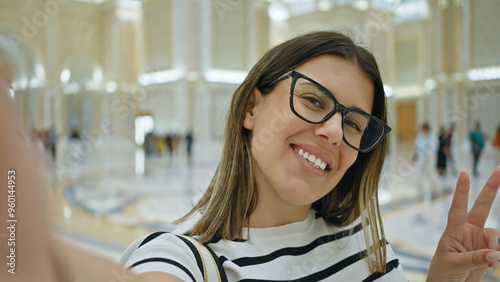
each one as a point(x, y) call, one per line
point(314, 160)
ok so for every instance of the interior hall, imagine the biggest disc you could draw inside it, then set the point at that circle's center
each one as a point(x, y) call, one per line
point(126, 102)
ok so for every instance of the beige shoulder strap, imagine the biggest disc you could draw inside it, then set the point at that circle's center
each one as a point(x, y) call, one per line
point(211, 272)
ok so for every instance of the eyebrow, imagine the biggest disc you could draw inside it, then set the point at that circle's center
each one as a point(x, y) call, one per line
point(330, 92)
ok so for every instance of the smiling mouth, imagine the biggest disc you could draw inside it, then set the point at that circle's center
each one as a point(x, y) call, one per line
point(314, 161)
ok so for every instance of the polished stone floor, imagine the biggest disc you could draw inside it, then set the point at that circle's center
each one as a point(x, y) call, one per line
point(106, 194)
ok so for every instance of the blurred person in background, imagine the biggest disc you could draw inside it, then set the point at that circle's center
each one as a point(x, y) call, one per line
point(476, 136)
point(426, 149)
point(496, 145)
point(442, 152)
point(189, 145)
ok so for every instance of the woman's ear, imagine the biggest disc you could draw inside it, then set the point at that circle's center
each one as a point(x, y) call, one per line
point(251, 109)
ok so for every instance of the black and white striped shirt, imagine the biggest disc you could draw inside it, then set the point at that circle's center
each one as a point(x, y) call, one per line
point(309, 250)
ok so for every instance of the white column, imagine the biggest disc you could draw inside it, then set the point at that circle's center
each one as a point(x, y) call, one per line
point(115, 47)
point(202, 114)
point(205, 35)
point(251, 31)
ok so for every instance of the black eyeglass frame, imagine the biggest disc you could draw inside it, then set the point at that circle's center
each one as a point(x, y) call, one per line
point(295, 75)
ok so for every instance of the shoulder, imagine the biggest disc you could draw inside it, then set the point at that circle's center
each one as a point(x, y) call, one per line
point(162, 252)
point(349, 249)
point(355, 249)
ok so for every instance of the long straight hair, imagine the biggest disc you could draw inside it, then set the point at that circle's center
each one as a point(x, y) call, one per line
point(231, 195)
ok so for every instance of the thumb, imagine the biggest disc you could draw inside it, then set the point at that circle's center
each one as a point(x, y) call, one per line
point(476, 259)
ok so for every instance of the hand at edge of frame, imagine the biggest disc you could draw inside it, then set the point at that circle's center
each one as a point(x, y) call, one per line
point(467, 249)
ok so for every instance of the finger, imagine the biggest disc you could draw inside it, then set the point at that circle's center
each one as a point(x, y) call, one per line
point(458, 210)
point(481, 209)
point(493, 238)
point(475, 259)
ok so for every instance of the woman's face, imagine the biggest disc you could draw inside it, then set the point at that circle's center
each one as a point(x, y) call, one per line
point(279, 139)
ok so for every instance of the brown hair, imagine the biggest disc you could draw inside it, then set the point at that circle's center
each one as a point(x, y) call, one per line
point(231, 195)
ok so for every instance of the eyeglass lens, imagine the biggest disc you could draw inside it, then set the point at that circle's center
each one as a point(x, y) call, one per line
point(314, 104)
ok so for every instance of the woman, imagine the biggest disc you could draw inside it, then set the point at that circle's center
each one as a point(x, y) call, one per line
point(303, 154)
point(267, 205)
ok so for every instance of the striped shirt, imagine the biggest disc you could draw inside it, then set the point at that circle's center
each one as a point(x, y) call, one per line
point(309, 250)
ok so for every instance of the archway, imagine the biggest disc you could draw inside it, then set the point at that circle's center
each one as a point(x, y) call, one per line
point(22, 70)
point(80, 78)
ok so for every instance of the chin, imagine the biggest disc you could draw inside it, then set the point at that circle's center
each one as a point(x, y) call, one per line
point(302, 193)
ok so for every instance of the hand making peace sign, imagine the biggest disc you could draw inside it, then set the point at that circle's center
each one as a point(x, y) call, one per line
point(467, 249)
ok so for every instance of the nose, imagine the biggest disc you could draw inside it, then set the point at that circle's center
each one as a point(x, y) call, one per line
point(331, 130)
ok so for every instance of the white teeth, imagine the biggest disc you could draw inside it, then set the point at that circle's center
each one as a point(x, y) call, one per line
point(323, 165)
point(313, 160)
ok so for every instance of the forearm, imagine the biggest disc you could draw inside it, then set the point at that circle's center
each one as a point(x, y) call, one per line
point(76, 265)
point(22, 211)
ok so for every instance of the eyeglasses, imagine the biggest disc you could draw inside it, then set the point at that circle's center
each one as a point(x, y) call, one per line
point(313, 103)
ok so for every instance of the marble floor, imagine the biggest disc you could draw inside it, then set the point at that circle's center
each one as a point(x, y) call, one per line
point(105, 195)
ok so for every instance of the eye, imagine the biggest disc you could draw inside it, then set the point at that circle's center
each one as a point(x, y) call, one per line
point(353, 124)
point(313, 100)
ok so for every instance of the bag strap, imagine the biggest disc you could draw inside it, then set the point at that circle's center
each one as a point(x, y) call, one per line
point(205, 259)
point(218, 263)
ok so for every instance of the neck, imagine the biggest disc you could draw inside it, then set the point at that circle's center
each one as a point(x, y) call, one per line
point(272, 215)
